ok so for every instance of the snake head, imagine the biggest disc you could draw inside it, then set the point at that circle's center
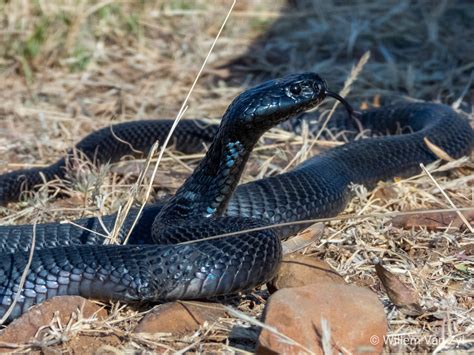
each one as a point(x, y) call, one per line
point(272, 102)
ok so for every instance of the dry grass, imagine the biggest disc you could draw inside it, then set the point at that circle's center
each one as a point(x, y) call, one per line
point(70, 67)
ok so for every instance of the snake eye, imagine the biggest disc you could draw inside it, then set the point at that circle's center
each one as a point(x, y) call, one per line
point(295, 89)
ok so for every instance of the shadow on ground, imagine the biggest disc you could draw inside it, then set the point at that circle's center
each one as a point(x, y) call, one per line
point(420, 49)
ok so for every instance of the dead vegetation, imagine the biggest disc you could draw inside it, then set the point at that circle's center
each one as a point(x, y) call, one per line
point(69, 67)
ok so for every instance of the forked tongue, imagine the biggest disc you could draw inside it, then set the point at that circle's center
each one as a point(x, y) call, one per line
point(350, 110)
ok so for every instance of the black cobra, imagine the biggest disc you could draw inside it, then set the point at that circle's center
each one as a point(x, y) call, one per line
point(69, 261)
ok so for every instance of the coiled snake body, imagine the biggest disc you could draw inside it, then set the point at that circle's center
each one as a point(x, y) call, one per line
point(70, 260)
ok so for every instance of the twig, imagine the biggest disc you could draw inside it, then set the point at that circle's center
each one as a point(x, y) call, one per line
point(329, 219)
point(135, 187)
point(457, 210)
point(180, 114)
point(86, 229)
point(275, 331)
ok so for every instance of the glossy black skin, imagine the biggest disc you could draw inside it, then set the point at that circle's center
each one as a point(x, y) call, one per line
point(160, 271)
point(207, 192)
point(205, 205)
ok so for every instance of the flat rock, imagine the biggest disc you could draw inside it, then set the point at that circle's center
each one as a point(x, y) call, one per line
point(180, 318)
point(354, 315)
point(300, 270)
point(22, 329)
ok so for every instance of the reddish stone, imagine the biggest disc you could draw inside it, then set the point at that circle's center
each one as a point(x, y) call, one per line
point(299, 270)
point(179, 318)
point(22, 329)
point(354, 315)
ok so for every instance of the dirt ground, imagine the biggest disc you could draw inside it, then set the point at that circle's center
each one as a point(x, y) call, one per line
point(70, 67)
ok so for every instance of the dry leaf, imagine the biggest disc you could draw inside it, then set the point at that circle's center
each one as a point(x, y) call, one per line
point(440, 153)
point(303, 239)
point(432, 221)
point(386, 193)
point(401, 296)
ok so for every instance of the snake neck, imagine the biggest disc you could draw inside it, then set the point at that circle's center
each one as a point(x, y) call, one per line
point(207, 191)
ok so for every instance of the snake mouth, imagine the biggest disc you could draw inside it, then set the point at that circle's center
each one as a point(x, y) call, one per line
point(339, 98)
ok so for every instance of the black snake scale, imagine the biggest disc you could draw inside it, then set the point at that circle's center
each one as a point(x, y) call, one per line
point(156, 265)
